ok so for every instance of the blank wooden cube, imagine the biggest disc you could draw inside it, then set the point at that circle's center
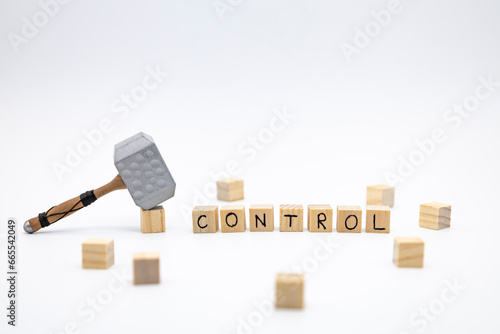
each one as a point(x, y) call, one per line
point(291, 218)
point(206, 219)
point(230, 190)
point(290, 291)
point(98, 253)
point(380, 195)
point(378, 219)
point(147, 268)
point(408, 252)
point(349, 219)
point(435, 216)
point(233, 218)
point(261, 217)
point(320, 218)
point(153, 220)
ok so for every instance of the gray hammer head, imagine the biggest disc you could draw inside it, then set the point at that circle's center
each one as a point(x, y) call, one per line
point(143, 171)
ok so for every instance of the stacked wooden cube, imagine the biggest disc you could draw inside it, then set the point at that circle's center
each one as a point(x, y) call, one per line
point(98, 253)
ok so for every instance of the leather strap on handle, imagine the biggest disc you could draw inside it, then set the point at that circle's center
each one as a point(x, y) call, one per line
point(69, 207)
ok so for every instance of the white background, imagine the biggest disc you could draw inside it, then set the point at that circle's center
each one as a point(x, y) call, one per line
point(353, 122)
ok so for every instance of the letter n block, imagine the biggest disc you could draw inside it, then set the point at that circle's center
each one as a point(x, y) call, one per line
point(320, 218)
point(380, 195)
point(147, 268)
point(291, 218)
point(435, 216)
point(233, 218)
point(378, 219)
point(290, 291)
point(98, 253)
point(261, 217)
point(153, 221)
point(206, 219)
point(408, 252)
point(349, 219)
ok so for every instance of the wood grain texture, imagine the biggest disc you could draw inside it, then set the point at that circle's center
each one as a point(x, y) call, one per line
point(230, 190)
point(349, 219)
point(291, 218)
point(320, 218)
point(378, 219)
point(290, 291)
point(59, 210)
point(408, 252)
point(380, 195)
point(98, 253)
point(147, 268)
point(233, 218)
point(435, 215)
point(261, 217)
point(153, 220)
point(205, 219)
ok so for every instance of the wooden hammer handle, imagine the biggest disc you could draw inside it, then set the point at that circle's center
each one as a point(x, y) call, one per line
point(69, 207)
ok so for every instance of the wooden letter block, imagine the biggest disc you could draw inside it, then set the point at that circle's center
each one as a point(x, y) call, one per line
point(230, 190)
point(98, 253)
point(206, 219)
point(380, 195)
point(153, 221)
point(290, 291)
point(320, 218)
point(378, 219)
point(147, 268)
point(408, 252)
point(261, 217)
point(291, 218)
point(349, 219)
point(233, 218)
point(435, 216)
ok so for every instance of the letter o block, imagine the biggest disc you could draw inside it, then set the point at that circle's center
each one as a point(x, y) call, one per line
point(291, 218)
point(206, 219)
point(380, 195)
point(233, 218)
point(349, 219)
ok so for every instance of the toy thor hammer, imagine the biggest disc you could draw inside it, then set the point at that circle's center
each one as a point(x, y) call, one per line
point(141, 170)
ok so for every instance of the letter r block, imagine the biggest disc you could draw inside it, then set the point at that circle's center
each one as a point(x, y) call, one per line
point(206, 219)
point(291, 218)
point(320, 218)
point(349, 219)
